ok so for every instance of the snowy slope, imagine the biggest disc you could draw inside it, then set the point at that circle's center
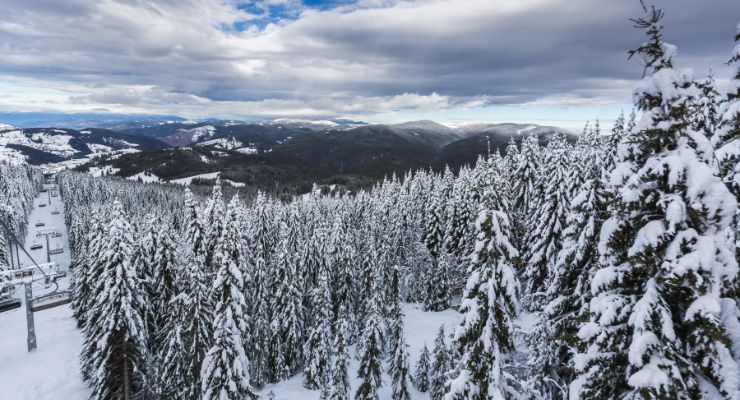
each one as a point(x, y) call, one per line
point(52, 372)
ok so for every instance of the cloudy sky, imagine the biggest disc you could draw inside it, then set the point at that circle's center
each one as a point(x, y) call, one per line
point(544, 61)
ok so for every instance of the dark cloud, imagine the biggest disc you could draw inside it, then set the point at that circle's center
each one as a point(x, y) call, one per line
point(140, 53)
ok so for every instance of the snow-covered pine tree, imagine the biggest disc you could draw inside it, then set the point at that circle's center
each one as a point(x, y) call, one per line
point(371, 352)
point(524, 192)
point(340, 389)
point(164, 278)
point(434, 227)
point(727, 144)
point(286, 349)
point(194, 231)
point(317, 350)
point(395, 316)
point(213, 224)
point(400, 370)
point(342, 256)
point(544, 239)
point(197, 319)
point(489, 305)
point(441, 364)
point(172, 362)
point(553, 341)
point(433, 238)
point(262, 241)
point(726, 140)
point(705, 110)
point(87, 269)
point(525, 174)
point(225, 370)
point(655, 330)
point(612, 142)
point(144, 260)
point(115, 341)
point(422, 372)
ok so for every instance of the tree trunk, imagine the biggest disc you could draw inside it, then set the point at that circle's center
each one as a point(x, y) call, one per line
point(126, 383)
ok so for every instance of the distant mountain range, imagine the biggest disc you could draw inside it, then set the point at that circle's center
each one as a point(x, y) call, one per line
point(284, 156)
point(76, 120)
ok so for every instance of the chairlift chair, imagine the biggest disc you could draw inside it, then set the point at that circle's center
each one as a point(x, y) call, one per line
point(9, 304)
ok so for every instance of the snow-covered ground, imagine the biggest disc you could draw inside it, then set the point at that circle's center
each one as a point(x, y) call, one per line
point(144, 177)
point(420, 327)
point(188, 180)
point(104, 171)
point(52, 371)
point(212, 175)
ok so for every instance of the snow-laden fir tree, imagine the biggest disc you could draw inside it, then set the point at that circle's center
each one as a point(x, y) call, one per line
point(553, 341)
point(115, 341)
point(547, 223)
point(526, 173)
point(612, 142)
point(441, 364)
point(727, 139)
point(343, 285)
point(194, 232)
point(144, 258)
point(395, 316)
point(286, 348)
point(164, 276)
point(422, 371)
point(213, 224)
point(400, 369)
point(705, 109)
point(225, 370)
point(484, 337)
point(197, 319)
point(197, 311)
point(340, 389)
point(727, 142)
point(87, 268)
point(655, 329)
point(262, 244)
point(371, 351)
point(317, 350)
point(434, 226)
point(172, 364)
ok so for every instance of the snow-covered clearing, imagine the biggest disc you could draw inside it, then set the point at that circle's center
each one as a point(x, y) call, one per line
point(188, 180)
point(211, 175)
point(52, 371)
point(145, 177)
point(420, 327)
point(105, 170)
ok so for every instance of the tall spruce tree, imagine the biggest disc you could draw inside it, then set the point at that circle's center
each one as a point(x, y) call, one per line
point(400, 371)
point(317, 350)
point(544, 239)
point(225, 370)
point(371, 352)
point(553, 342)
point(655, 330)
point(340, 389)
point(484, 337)
point(441, 364)
point(286, 349)
point(116, 339)
point(423, 368)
